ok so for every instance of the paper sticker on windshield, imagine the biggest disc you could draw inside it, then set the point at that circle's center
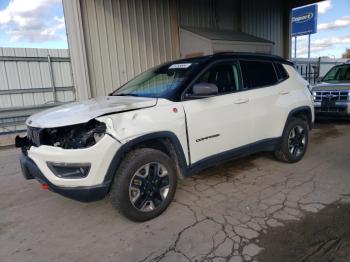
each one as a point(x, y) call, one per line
point(180, 66)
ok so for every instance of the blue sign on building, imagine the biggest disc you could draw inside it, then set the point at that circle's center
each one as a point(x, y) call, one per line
point(304, 20)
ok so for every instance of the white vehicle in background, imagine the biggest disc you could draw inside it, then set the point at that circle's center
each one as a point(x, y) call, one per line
point(169, 122)
point(332, 95)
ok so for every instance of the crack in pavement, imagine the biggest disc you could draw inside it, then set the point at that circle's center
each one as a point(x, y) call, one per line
point(217, 215)
point(276, 201)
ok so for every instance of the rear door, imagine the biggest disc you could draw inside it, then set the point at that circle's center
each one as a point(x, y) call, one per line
point(219, 123)
point(268, 94)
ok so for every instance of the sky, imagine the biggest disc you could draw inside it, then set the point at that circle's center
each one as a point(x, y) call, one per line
point(40, 24)
point(32, 24)
point(333, 31)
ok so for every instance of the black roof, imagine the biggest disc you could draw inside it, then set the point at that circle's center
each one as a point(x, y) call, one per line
point(240, 55)
point(259, 56)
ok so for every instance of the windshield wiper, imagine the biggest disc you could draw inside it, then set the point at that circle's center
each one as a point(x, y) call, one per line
point(125, 94)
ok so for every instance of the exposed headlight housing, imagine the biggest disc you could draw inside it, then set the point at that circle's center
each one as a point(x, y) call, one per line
point(75, 136)
point(69, 170)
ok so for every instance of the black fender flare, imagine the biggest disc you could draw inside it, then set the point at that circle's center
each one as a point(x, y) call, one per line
point(151, 136)
point(296, 111)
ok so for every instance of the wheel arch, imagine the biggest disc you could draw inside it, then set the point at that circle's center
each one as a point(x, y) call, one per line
point(303, 112)
point(164, 141)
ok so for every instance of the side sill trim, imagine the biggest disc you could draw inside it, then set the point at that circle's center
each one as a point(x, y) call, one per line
point(270, 144)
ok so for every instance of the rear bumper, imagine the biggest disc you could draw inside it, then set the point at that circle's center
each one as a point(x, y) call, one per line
point(81, 193)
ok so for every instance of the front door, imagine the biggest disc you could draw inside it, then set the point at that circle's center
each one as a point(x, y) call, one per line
point(219, 123)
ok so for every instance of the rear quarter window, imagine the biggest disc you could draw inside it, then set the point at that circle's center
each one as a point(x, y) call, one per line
point(257, 74)
point(281, 72)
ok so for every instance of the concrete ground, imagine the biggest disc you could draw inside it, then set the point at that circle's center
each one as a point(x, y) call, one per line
point(218, 215)
point(319, 237)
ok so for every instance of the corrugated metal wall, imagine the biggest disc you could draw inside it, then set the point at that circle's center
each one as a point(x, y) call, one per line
point(77, 48)
point(25, 82)
point(264, 19)
point(197, 13)
point(126, 37)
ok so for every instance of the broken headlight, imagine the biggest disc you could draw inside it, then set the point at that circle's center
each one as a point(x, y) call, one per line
point(75, 136)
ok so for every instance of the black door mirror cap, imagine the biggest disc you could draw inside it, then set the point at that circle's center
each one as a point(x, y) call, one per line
point(202, 90)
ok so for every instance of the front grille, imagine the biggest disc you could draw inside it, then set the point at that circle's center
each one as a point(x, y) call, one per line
point(341, 96)
point(33, 134)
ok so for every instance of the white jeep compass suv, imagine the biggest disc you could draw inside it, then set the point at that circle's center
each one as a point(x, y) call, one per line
point(167, 123)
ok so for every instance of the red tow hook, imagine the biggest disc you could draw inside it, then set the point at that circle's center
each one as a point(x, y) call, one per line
point(44, 186)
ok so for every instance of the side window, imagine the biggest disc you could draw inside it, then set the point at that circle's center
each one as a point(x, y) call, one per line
point(225, 76)
point(281, 72)
point(257, 74)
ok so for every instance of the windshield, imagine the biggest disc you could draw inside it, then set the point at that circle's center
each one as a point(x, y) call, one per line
point(158, 82)
point(338, 74)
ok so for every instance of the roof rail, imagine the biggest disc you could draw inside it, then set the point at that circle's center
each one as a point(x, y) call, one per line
point(246, 54)
point(255, 55)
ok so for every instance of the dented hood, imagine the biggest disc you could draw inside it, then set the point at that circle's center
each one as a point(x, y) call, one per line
point(82, 112)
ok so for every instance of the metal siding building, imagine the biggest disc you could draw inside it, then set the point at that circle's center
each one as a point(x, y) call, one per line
point(197, 13)
point(264, 19)
point(30, 80)
point(124, 38)
point(113, 40)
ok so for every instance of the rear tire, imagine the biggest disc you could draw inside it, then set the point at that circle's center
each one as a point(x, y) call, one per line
point(295, 140)
point(144, 184)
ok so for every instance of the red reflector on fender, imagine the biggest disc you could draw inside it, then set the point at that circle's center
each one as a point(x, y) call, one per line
point(44, 186)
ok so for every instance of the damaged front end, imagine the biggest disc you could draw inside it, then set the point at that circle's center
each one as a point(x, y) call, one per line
point(66, 137)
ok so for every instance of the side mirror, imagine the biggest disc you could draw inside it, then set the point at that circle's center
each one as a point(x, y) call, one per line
point(202, 90)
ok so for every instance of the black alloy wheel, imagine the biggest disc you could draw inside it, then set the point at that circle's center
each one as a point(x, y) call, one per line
point(144, 184)
point(149, 187)
point(296, 140)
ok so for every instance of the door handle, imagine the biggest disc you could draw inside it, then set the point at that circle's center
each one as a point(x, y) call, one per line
point(284, 92)
point(241, 101)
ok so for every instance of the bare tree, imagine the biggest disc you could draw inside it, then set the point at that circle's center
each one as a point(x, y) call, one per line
point(347, 53)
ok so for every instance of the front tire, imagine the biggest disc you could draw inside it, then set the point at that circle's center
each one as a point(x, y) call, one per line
point(294, 141)
point(144, 184)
